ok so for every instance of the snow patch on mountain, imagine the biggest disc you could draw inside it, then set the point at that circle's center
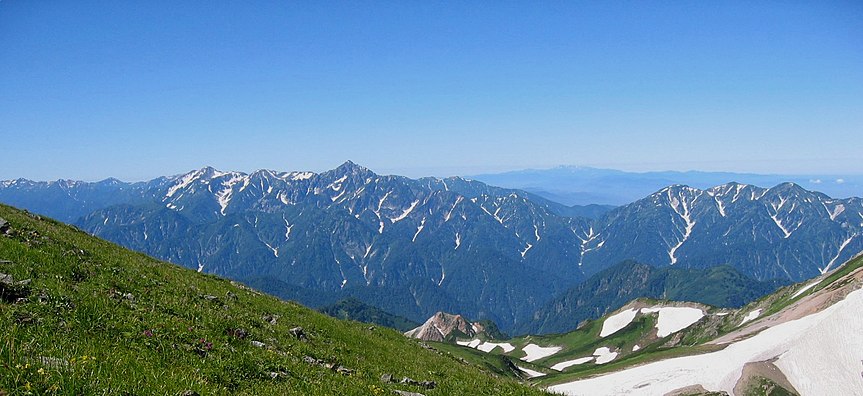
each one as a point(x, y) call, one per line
point(838, 253)
point(752, 315)
point(531, 373)
point(674, 319)
point(406, 212)
point(419, 229)
point(604, 355)
point(616, 322)
point(805, 288)
point(489, 346)
point(535, 352)
point(569, 363)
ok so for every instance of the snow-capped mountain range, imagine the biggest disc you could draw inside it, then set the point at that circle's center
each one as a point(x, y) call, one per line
point(417, 246)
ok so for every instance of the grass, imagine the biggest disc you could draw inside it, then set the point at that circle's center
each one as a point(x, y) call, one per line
point(760, 386)
point(96, 319)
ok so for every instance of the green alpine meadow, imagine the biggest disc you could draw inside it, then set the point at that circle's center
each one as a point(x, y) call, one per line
point(83, 316)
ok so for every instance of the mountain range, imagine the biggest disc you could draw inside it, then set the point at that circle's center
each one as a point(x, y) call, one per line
point(417, 246)
point(582, 185)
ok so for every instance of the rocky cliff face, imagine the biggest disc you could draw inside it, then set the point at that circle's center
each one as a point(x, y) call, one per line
point(442, 325)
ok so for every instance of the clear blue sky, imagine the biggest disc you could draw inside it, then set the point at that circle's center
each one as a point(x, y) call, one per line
point(136, 90)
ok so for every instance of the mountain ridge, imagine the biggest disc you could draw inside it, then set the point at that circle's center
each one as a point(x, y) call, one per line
point(448, 244)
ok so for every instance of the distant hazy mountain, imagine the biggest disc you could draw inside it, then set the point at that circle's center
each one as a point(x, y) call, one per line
point(576, 185)
point(416, 247)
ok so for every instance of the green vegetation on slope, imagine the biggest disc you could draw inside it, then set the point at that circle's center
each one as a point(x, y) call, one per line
point(610, 289)
point(83, 316)
point(353, 309)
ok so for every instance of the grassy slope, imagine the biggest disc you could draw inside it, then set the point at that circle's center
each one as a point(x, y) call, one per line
point(100, 319)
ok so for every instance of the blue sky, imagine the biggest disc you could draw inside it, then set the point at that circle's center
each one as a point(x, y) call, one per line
point(136, 90)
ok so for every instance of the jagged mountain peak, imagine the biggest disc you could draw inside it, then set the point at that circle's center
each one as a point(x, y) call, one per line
point(352, 167)
point(442, 326)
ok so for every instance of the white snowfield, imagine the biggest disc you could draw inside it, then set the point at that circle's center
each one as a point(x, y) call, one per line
point(469, 344)
point(487, 346)
point(674, 319)
point(531, 373)
point(617, 321)
point(751, 316)
point(569, 363)
point(671, 319)
point(820, 354)
point(535, 352)
point(604, 355)
point(805, 288)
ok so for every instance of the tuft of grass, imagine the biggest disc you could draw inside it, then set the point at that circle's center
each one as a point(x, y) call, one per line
point(93, 318)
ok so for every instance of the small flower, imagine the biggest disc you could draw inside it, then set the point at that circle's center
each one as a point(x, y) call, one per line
point(148, 333)
point(41, 371)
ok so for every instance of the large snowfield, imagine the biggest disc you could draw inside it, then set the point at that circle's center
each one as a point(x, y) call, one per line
point(820, 354)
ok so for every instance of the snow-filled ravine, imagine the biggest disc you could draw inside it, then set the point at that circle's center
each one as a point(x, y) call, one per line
point(820, 354)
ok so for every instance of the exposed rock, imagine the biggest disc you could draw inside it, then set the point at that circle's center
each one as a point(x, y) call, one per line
point(271, 319)
point(299, 333)
point(277, 374)
point(694, 390)
point(240, 334)
point(332, 366)
point(189, 393)
point(11, 291)
point(52, 362)
point(210, 297)
point(423, 384)
point(388, 378)
point(441, 325)
point(406, 393)
point(231, 296)
point(258, 344)
point(4, 225)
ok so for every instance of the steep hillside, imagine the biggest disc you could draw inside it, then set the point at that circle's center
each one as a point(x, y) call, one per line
point(83, 316)
point(610, 289)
